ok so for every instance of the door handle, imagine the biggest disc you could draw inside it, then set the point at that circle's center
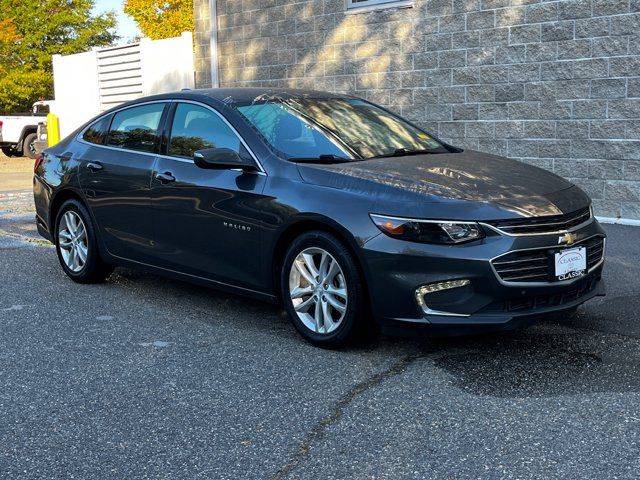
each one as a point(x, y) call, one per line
point(94, 166)
point(165, 177)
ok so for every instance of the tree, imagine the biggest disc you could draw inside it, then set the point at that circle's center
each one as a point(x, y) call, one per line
point(161, 18)
point(31, 31)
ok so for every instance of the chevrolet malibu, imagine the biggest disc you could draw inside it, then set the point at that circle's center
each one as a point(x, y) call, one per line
point(352, 217)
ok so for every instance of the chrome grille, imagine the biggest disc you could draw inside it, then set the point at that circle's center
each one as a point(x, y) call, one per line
point(542, 225)
point(536, 266)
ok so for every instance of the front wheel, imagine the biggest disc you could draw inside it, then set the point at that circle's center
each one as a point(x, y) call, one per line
point(322, 290)
point(77, 246)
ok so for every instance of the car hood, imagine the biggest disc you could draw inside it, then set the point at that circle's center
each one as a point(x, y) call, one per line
point(472, 184)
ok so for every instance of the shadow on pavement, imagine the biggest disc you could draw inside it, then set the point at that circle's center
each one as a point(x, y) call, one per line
point(545, 360)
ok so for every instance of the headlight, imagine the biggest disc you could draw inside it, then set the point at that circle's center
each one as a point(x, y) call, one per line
point(428, 231)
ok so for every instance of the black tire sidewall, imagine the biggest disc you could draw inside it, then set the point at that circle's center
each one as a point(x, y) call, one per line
point(352, 321)
point(92, 267)
point(28, 140)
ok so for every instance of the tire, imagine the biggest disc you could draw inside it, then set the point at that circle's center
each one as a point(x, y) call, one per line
point(340, 328)
point(28, 149)
point(68, 237)
point(8, 151)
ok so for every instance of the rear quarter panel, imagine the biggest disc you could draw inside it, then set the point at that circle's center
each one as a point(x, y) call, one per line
point(57, 173)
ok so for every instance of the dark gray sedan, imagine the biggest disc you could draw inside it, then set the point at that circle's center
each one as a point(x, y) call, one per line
point(352, 217)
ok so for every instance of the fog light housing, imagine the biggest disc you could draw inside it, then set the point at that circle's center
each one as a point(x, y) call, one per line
point(438, 287)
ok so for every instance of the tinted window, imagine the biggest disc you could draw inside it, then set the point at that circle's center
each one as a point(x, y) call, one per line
point(41, 109)
point(196, 128)
point(97, 131)
point(135, 128)
point(288, 132)
point(367, 129)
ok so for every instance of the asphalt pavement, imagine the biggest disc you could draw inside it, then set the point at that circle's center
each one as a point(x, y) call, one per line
point(145, 377)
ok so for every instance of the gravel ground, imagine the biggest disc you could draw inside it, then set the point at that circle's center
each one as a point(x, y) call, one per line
point(144, 377)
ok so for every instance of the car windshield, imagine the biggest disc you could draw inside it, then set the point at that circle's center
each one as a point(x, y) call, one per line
point(335, 127)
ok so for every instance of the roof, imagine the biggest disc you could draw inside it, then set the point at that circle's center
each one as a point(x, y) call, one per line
point(250, 94)
point(230, 95)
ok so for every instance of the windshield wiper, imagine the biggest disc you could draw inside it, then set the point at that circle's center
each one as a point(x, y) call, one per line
point(402, 152)
point(320, 159)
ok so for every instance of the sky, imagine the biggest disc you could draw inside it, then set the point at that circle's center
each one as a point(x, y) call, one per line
point(127, 28)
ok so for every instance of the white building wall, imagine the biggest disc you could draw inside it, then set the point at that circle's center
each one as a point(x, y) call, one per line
point(86, 84)
point(167, 65)
point(76, 89)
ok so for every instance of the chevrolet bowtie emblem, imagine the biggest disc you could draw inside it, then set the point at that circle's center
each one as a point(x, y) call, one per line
point(567, 239)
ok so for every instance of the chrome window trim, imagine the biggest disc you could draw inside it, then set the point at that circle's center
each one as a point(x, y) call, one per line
point(117, 149)
point(79, 138)
point(186, 160)
point(80, 134)
point(561, 282)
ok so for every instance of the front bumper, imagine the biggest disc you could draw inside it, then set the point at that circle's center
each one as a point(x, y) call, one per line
point(397, 268)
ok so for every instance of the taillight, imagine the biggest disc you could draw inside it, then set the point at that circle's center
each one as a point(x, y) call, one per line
point(0, 123)
point(38, 162)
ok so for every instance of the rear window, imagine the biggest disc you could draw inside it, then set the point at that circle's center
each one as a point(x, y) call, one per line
point(97, 131)
point(136, 128)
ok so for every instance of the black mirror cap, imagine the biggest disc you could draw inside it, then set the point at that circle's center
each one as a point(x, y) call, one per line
point(221, 158)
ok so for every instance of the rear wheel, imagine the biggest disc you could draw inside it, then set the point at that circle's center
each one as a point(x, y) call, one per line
point(77, 246)
point(322, 290)
point(28, 146)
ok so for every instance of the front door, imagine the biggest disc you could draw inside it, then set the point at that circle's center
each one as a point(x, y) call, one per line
point(115, 176)
point(206, 222)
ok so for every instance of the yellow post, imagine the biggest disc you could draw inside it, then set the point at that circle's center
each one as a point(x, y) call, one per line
point(53, 130)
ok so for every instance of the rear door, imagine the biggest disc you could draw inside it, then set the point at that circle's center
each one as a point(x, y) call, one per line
point(207, 222)
point(115, 176)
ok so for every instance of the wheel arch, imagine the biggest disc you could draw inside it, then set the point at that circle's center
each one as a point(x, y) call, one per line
point(70, 193)
point(308, 224)
point(26, 130)
point(58, 200)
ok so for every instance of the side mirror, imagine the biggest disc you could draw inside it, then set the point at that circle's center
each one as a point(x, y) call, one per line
point(221, 158)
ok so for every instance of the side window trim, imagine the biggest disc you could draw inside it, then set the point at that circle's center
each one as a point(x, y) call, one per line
point(166, 128)
point(169, 110)
point(175, 102)
point(157, 148)
point(112, 113)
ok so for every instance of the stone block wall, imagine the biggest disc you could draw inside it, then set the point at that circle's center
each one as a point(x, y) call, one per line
point(551, 83)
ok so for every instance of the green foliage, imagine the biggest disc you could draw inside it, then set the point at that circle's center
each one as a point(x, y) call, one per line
point(161, 18)
point(31, 31)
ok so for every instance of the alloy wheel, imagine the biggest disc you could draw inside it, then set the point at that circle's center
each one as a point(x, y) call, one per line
point(72, 239)
point(318, 290)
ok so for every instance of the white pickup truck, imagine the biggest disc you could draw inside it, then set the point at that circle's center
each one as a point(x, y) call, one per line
point(19, 133)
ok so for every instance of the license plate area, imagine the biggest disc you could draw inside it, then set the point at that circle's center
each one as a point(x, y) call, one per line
point(569, 263)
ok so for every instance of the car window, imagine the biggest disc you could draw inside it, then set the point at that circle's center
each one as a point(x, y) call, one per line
point(288, 132)
point(136, 128)
point(41, 109)
point(197, 128)
point(97, 131)
point(367, 130)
